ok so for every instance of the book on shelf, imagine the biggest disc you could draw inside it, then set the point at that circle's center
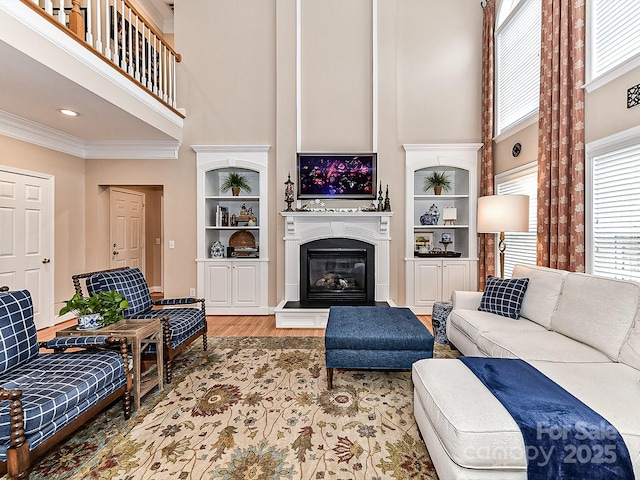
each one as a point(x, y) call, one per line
point(222, 216)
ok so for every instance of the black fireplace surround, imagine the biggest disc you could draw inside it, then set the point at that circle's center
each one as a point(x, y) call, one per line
point(337, 271)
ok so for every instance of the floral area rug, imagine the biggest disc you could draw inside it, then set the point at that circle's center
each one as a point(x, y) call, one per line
point(255, 408)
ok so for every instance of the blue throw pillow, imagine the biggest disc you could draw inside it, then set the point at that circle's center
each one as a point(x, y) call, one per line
point(503, 296)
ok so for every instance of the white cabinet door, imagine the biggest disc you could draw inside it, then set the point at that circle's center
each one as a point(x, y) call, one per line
point(455, 276)
point(428, 282)
point(218, 283)
point(246, 283)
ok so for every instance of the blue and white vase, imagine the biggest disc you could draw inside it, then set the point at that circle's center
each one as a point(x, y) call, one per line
point(431, 216)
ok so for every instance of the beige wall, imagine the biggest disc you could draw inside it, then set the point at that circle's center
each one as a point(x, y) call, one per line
point(237, 84)
point(69, 211)
point(606, 109)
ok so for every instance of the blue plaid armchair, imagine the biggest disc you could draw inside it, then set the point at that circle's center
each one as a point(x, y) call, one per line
point(181, 323)
point(44, 397)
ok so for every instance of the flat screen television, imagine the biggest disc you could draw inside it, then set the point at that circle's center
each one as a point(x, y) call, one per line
point(337, 175)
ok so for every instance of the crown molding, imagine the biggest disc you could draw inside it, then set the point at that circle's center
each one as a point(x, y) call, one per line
point(36, 134)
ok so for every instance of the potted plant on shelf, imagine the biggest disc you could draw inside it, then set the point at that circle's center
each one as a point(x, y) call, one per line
point(438, 181)
point(98, 310)
point(236, 182)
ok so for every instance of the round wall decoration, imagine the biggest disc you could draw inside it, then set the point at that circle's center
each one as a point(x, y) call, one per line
point(517, 148)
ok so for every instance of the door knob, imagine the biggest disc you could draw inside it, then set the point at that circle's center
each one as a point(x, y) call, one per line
point(115, 253)
point(46, 260)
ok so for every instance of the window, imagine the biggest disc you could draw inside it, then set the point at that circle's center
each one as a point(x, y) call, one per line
point(614, 37)
point(518, 37)
point(615, 217)
point(521, 247)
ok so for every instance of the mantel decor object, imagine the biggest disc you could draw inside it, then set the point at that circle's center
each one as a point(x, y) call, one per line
point(288, 193)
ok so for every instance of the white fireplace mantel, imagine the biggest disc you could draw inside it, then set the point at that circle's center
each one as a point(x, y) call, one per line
point(302, 227)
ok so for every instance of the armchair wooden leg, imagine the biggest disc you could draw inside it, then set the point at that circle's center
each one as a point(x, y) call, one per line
point(168, 368)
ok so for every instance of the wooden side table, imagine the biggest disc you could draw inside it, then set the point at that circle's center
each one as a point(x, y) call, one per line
point(140, 333)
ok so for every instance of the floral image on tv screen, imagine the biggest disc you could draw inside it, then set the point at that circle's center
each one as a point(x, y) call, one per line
point(351, 176)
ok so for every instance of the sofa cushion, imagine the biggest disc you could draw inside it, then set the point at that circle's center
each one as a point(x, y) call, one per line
point(597, 311)
point(543, 292)
point(74, 382)
point(480, 434)
point(18, 336)
point(630, 351)
point(130, 283)
point(537, 345)
point(475, 434)
point(183, 323)
point(473, 323)
point(503, 296)
point(611, 389)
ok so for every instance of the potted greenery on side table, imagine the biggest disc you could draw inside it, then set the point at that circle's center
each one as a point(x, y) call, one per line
point(98, 310)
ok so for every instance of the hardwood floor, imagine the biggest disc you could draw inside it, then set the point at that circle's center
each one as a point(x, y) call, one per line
point(237, 326)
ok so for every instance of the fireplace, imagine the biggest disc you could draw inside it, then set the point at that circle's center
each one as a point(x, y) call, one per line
point(301, 229)
point(337, 271)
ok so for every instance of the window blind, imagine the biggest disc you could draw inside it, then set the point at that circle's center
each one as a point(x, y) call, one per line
point(521, 246)
point(615, 34)
point(616, 214)
point(518, 65)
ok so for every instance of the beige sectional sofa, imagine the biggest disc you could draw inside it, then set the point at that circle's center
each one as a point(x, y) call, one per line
point(580, 330)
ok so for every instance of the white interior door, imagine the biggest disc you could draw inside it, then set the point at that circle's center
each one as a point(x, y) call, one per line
point(126, 225)
point(26, 238)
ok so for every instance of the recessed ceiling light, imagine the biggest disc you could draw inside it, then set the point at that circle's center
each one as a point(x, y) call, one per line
point(70, 113)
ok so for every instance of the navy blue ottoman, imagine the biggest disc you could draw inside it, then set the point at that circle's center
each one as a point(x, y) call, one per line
point(374, 338)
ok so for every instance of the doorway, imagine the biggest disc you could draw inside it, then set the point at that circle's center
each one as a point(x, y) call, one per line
point(26, 238)
point(136, 229)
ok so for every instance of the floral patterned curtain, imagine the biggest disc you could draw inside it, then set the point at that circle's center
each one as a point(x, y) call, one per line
point(561, 157)
point(487, 240)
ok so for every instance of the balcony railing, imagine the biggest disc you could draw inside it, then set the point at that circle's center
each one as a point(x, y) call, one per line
point(109, 28)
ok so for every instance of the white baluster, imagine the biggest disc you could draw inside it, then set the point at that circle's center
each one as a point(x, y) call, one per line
point(130, 45)
point(123, 53)
point(172, 81)
point(98, 25)
point(156, 61)
point(107, 30)
point(48, 6)
point(149, 62)
point(164, 73)
point(88, 28)
point(62, 17)
point(137, 56)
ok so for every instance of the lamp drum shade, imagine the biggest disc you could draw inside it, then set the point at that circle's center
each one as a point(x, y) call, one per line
point(503, 213)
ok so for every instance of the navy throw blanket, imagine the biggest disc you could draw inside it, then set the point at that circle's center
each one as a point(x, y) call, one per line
point(564, 438)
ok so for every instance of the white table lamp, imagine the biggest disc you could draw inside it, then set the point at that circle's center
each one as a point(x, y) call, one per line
point(503, 213)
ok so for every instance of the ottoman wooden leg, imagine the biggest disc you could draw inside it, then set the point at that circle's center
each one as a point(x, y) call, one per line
point(329, 378)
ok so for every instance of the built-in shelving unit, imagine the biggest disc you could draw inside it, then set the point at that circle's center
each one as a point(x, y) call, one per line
point(431, 276)
point(232, 283)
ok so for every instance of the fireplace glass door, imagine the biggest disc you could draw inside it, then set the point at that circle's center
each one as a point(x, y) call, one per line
point(337, 274)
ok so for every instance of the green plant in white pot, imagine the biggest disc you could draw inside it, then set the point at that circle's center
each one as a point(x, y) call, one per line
point(97, 310)
point(236, 182)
